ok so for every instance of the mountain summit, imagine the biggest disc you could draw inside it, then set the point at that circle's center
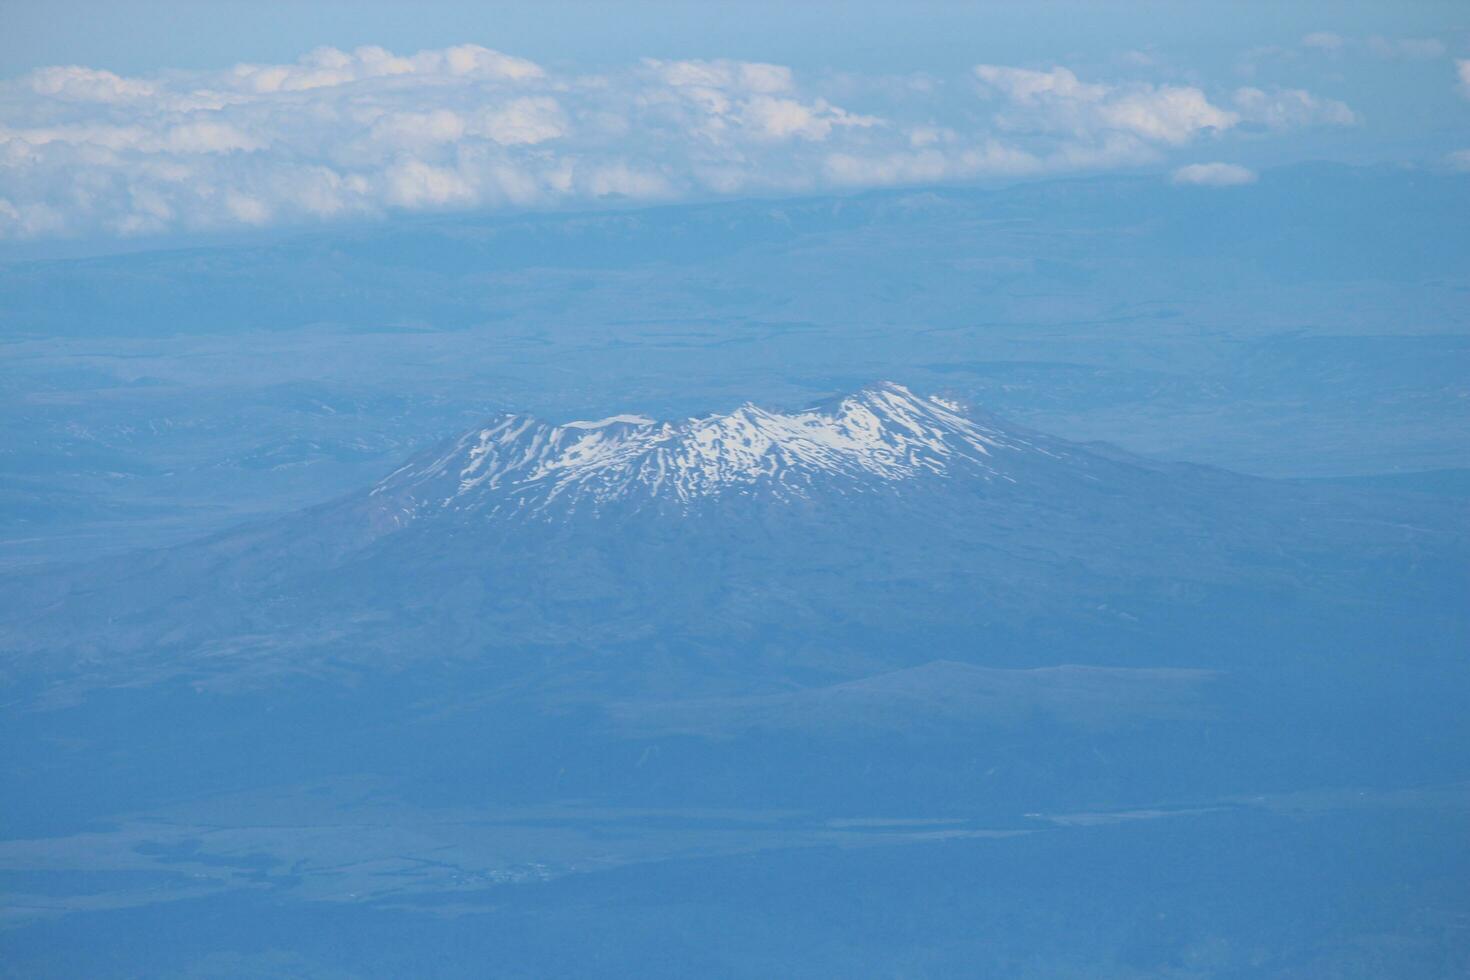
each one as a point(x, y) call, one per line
point(734, 553)
point(879, 435)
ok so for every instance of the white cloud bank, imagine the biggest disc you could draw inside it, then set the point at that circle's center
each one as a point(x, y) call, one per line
point(337, 134)
point(1057, 100)
point(1214, 175)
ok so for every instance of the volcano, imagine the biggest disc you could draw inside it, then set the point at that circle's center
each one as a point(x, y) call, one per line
point(752, 550)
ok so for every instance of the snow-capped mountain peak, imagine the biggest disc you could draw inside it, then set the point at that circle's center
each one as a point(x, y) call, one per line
point(879, 435)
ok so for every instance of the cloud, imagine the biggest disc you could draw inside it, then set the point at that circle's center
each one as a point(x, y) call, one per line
point(1213, 175)
point(1324, 41)
point(328, 68)
point(1406, 48)
point(1459, 160)
point(1058, 100)
point(525, 122)
point(1170, 114)
point(76, 84)
point(725, 75)
point(1028, 86)
point(723, 101)
point(1378, 46)
point(368, 132)
point(206, 136)
point(991, 158)
point(1291, 108)
point(1462, 68)
point(774, 118)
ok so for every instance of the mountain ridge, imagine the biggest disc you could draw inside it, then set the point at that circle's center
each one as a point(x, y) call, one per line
point(881, 434)
point(870, 533)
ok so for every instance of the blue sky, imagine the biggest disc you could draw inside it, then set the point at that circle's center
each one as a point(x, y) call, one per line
point(132, 121)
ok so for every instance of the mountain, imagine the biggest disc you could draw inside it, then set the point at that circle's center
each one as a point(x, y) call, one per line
point(866, 442)
point(531, 608)
point(742, 551)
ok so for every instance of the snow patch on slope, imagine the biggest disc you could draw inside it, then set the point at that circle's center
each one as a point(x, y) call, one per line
point(882, 434)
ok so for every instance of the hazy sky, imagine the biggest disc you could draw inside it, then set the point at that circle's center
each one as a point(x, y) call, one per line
point(128, 120)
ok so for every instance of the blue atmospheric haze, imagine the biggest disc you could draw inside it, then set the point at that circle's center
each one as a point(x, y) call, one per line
point(589, 490)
